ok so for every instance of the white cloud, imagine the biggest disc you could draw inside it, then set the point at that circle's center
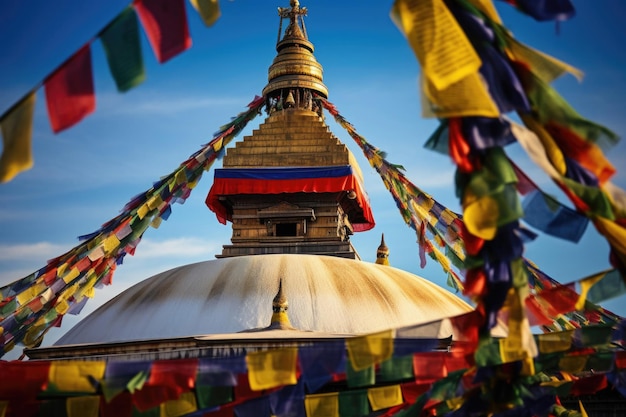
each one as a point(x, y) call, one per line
point(183, 247)
point(29, 251)
point(152, 104)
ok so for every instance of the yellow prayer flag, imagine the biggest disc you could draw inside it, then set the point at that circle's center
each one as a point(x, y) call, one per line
point(154, 202)
point(322, 405)
point(209, 10)
point(156, 222)
point(29, 293)
point(70, 276)
point(4, 405)
point(613, 232)
point(544, 66)
point(585, 286)
point(185, 404)
point(443, 50)
point(481, 216)
point(143, 211)
point(85, 406)
point(217, 146)
point(110, 243)
point(555, 342)
point(61, 307)
point(272, 368)
point(384, 397)
point(365, 351)
point(17, 132)
point(467, 97)
point(573, 364)
point(73, 376)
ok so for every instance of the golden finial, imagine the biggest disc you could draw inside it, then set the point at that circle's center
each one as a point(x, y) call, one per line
point(382, 254)
point(280, 305)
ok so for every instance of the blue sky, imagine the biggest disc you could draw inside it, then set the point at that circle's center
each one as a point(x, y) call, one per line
point(83, 176)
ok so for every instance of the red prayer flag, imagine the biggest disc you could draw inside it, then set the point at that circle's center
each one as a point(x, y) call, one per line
point(69, 91)
point(165, 23)
point(179, 375)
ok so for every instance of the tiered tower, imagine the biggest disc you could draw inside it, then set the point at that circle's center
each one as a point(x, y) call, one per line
point(291, 186)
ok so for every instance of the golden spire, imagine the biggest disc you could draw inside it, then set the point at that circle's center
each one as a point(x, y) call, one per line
point(280, 305)
point(295, 67)
point(382, 254)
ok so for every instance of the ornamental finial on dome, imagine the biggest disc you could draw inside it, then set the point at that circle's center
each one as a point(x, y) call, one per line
point(295, 67)
point(280, 319)
point(382, 254)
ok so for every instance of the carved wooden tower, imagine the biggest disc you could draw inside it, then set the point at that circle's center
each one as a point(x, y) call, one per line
point(292, 186)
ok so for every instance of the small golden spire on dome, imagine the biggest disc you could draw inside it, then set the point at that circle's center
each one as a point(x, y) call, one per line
point(280, 305)
point(382, 254)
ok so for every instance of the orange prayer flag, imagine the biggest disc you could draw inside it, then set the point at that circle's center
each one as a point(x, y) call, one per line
point(165, 23)
point(17, 132)
point(69, 91)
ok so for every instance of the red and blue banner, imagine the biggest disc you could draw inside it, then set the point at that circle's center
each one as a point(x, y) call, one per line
point(328, 179)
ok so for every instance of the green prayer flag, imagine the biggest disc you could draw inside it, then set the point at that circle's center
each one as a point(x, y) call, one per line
point(210, 396)
point(596, 335)
point(551, 107)
point(396, 369)
point(123, 50)
point(353, 403)
point(136, 383)
point(362, 378)
point(611, 285)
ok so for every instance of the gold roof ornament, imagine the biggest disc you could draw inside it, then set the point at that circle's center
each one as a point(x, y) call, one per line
point(295, 66)
point(382, 254)
point(280, 305)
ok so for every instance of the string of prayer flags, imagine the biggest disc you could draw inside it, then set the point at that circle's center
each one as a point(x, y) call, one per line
point(165, 24)
point(70, 92)
point(576, 362)
point(122, 47)
point(69, 89)
point(31, 306)
point(17, 131)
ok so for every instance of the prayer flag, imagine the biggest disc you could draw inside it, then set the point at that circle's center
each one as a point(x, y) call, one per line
point(384, 397)
point(17, 132)
point(86, 406)
point(429, 366)
point(320, 363)
point(253, 408)
point(122, 47)
point(165, 23)
point(322, 405)
point(353, 403)
point(551, 217)
point(288, 401)
point(76, 376)
point(272, 368)
point(365, 351)
point(210, 396)
point(185, 404)
point(179, 375)
point(69, 91)
point(209, 10)
point(555, 342)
